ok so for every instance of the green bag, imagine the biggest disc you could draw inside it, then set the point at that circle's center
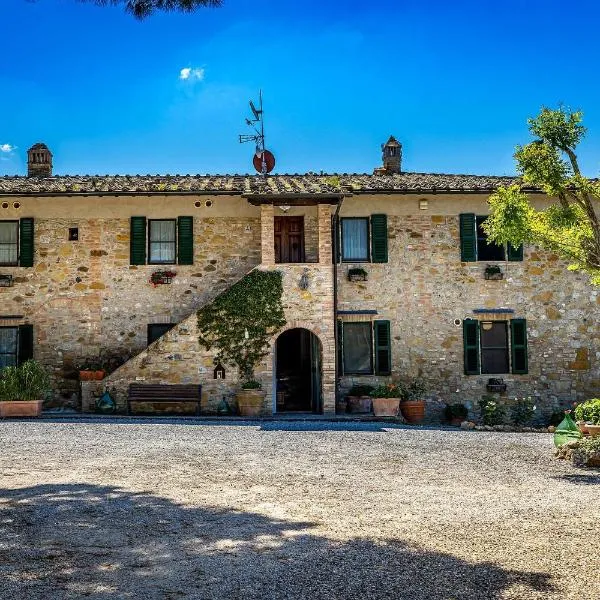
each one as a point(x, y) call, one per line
point(566, 431)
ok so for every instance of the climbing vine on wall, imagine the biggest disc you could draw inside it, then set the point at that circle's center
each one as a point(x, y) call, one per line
point(240, 322)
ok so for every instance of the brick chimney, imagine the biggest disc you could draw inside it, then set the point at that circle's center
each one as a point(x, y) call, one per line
point(39, 161)
point(392, 157)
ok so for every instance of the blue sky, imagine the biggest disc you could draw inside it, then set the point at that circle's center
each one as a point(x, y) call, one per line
point(453, 81)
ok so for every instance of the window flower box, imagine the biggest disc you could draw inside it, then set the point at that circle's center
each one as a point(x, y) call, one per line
point(495, 385)
point(357, 274)
point(493, 273)
point(6, 281)
point(162, 277)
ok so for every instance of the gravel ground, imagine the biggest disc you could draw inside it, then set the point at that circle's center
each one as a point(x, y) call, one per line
point(184, 509)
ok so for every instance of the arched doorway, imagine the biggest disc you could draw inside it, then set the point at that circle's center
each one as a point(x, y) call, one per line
point(298, 360)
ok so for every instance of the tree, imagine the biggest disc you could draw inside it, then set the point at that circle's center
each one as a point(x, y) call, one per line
point(141, 9)
point(570, 226)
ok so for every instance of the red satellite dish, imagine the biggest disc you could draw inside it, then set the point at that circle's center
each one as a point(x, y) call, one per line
point(268, 158)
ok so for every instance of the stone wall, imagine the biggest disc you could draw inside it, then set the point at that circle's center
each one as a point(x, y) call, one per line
point(425, 287)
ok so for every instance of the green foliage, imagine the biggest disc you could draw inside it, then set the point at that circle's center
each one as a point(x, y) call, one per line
point(523, 410)
point(589, 445)
point(388, 390)
point(251, 385)
point(456, 411)
point(359, 271)
point(588, 411)
point(360, 390)
point(29, 381)
point(569, 227)
point(141, 9)
point(239, 323)
point(414, 389)
point(492, 412)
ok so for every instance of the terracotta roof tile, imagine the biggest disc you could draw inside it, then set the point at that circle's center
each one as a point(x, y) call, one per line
point(309, 183)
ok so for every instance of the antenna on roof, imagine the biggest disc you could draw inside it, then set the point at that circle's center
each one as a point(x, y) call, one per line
point(263, 161)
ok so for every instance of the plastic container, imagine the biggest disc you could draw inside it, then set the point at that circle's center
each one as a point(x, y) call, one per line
point(566, 431)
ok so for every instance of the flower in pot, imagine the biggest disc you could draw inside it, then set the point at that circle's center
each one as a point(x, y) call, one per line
point(456, 413)
point(413, 403)
point(587, 415)
point(357, 274)
point(493, 272)
point(86, 371)
point(359, 399)
point(386, 400)
point(22, 390)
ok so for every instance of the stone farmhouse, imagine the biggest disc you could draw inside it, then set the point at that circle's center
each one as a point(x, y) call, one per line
point(77, 254)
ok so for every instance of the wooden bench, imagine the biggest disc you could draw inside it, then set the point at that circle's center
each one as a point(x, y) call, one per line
point(142, 392)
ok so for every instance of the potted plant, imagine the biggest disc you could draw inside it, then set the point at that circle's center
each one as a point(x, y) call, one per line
point(22, 390)
point(493, 273)
point(413, 403)
point(386, 400)
point(86, 371)
point(162, 277)
point(587, 415)
point(456, 413)
point(357, 274)
point(359, 399)
point(250, 399)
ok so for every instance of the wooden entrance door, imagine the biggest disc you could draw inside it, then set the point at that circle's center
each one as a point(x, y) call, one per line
point(289, 239)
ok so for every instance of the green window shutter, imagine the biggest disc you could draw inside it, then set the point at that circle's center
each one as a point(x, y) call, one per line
point(336, 253)
point(340, 347)
point(518, 347)
point(137, 253)
point(471, 344)
point(383, 348)
point(468, 238)
point(379, 239)
point(185, 240)
point(26, 242)
point(515, 254)
point(25, 343)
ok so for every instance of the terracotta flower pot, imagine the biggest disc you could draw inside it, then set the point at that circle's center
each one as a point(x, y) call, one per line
point(386, 407)
point(413, 410)
point(98, 375)
point(20, 408)
point(583, 427)
point(456, 421)
point(359, 404)
point(86, 375)
point(250, 402)
point(594, 430)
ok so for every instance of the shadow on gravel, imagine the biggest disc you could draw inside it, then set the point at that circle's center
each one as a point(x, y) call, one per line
point(74, 541)
point(580, 478)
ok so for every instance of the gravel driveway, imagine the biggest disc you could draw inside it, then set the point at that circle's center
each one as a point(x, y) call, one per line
point(182, 509)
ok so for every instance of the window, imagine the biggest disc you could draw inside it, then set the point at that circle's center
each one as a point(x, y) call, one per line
point(161, 241)
point(161, 244)
point(156, 330)
point(9, 243)
point(9, 346)
point(364, 347)
point(495, 347)
point(474, 245)
point(358, 348)
point(355, 239)
point(485, 250)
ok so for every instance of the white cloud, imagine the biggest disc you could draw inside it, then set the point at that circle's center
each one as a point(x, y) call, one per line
point(191, 74)
point(7, 148)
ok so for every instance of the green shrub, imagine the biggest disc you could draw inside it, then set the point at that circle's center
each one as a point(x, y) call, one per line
point(492, 412)
point(360, 390)
point(414, 389)
point(588, 411)
point(456, 411)
point(251, 385)
point(29, 381)
point(388, 390)
point(523, 410)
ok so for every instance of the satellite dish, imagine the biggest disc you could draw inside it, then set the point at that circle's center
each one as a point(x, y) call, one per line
point(266, 157)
